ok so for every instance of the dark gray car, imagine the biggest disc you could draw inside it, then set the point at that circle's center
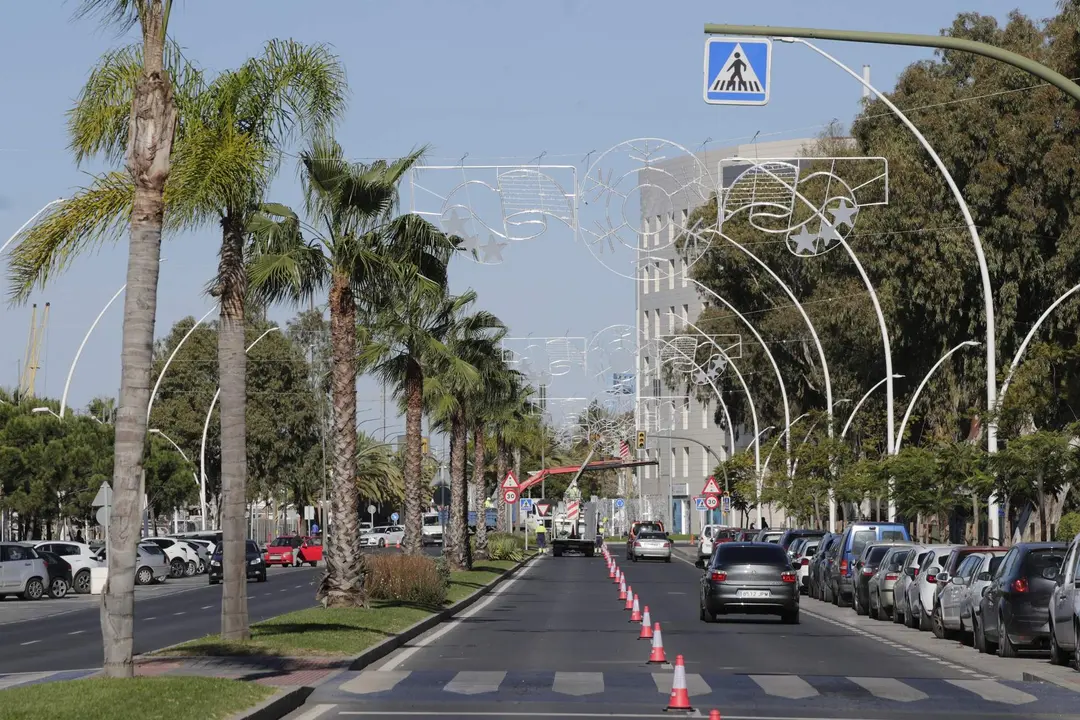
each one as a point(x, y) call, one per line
point(749, 578)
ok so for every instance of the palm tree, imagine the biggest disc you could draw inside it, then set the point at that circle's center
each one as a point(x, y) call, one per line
point(448, 393)
point(229, 142)
point(406, 343)
point(485, 410)
point(354, 249)
point(378, 475)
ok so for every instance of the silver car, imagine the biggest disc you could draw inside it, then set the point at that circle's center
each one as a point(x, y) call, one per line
point(22, 572)
point(884, 580)
point(651, 545)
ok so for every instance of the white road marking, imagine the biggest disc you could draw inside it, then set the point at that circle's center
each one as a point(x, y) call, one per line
point(889, 689)
point(20, 678)
point(695, 684)
point(30, 642)
point(298, 587)
point(315, 712)
point(578, 683)
point(150, 618)
point(206, 607)
point(994, 691)
point(182, 612)
point(373, 681)
point(77, 632)
point(475, 682)
point(792, 687)
point(507, 714)
point(400, 656)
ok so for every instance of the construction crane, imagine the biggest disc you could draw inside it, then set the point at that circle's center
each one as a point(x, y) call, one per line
point(32, 360)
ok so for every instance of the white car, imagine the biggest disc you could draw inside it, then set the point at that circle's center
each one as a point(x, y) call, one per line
point(923, 587)
point(385, 536)
point(151, 563)
point(79, 556)
point(183, 560)
point(705, 541)
point(806, 553)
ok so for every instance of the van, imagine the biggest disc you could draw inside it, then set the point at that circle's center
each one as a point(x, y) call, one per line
point(852, 543)
point(432, 529)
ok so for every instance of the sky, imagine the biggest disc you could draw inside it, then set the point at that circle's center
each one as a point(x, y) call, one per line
point(491, 82)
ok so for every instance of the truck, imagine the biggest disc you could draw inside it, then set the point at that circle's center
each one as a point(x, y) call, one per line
point(572, 538)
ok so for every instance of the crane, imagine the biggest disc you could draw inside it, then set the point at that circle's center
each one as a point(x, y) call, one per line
point(32, 360)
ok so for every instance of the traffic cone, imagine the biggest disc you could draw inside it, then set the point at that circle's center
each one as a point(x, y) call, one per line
point(714, 715)
point(635, 615)
point(622, 589)
point(646, 626)
point(611, 569)
point(618, 575)
point(680, 698)
point(629, 598)
point(656, 657)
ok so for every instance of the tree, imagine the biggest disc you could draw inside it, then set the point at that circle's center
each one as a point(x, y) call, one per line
point(1041, 464)
point(378, 475)
point(354, 248)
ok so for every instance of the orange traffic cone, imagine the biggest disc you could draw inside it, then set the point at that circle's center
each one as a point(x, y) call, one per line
point(629, 598)
point(622, 589)
point(714, 715)
point(611, 570)
point(657, 656)
point(617, 576)
point(680, 698)
point(646, 626)
point(635, 615)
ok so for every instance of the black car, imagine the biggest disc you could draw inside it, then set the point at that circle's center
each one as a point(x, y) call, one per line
point(789, 536)
point(59, 574)
point(1015, 606)
point(256, 568)
point(749, 578)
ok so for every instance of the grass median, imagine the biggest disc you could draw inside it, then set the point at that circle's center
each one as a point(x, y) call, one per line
point(331, 632)
point(145, 698)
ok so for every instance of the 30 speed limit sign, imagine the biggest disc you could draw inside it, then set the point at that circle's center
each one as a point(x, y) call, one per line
point(510, 497)
point(712, 502)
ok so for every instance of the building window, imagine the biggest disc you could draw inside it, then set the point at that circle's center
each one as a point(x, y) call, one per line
point(705, 416)
point(656, 387)
point(645, 322)
point(704, 463)
point(685, 316)
point(645, 234)
point(685, 272)
point(671, 319)
point(656, 233)
point(686, 462)
point(671, 274)
point(656, 277)
point(686, 414)
point(671, 468)
point(645, 277)
point(657, 318)
point(671, 228)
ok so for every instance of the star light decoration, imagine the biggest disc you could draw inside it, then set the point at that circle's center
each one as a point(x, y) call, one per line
point(456, 225)
point(711, 371)
point(806, 244)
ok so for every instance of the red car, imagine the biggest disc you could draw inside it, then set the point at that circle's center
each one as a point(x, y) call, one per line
point(294, 550)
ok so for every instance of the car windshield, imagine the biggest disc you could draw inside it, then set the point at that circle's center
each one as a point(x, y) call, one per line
point(994, 562)
point(148, 549)
point(897, 560)
point(1037, 561)
point(647, 527)
point(252, 547)
point(751, 555)
point(285, 542)
point(876, 553)
point(652, 535)
point(430, 520)
point(860, 539)
point(810, 549)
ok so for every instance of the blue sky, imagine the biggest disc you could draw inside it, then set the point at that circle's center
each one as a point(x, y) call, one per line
point(507, 80)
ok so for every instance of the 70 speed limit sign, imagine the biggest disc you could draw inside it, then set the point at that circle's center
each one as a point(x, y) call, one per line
point(510, 497)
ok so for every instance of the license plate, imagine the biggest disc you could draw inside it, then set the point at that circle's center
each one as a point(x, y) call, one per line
point(753, 593)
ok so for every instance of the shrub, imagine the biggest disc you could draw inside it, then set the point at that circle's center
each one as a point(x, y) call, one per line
point(502, 546)
point(443, 569)
point(1068, 527)
point(404, 578)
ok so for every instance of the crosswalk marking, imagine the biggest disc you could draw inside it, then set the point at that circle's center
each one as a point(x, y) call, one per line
point(475, 682)
point(695, 684)
point(994, 691)
point(578, 683)
point(792, 687)
point(889, 689)
point(373, 681)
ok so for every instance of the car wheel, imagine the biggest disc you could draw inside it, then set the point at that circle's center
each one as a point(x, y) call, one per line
point(213, 581)
point(859, 608)
point(144, 576)
point(34, 589)
point(1005, 647)
point(382, 542)
point(190, 569)
point(81, 582)
point(202, 567)
point(1057, 657)
point(937, 623)
point(897, 615)
point(314, 563)
point(58, 588)
point(176, 568)
point(836, 599)
point(262, 577)
point(924, 623)
point(706, 616)
point(981, 643)
point(874, 611)
point(790, 618)
point(667, 559)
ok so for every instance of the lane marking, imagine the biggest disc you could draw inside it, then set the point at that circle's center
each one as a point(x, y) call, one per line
point(150, 618)
point(475, 682)
point(179, 613)
point(993, 691)
point(578, 683)
point(373, 681)
point(889, 689)
point(29, 642)
point(315, 712)
point(77, 632)
point(695, 684)
point(206, 607)
point(791, 687)
point(396, 659)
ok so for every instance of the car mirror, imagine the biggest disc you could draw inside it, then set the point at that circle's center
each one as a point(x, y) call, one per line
point(910, 572)
point(983, 577)
point(700, 564)
point(943, 577)
point(959, 580)
point(1051, 573)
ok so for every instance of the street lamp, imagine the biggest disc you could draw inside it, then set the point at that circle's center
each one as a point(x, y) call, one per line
point(30, 222)
point(201, 484)
point(52, 412)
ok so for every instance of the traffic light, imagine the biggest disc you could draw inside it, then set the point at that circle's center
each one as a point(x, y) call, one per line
point(425, 446)
point(641, 440)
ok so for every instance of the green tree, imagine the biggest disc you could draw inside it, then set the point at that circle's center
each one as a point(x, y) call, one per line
point(1041, 464)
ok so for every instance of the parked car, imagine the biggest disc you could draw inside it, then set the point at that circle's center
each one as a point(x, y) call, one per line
point(807, 548)
point(853, 541)
point(151, 563)
point(922, 590)
point(865, 567)
point(201, 552)
point(1065, 610)
point(432, 530)
point(283, 550)
point(59, 570)
point(970, 612)
point(954, 587)
point(749, 578)
point(183, 560)
point(22, 572)
point(814, 573)
point(651, 545)
point(883, 581)
point(768, 535)
point(907, 575)
point(1015, 606)
point(711, 535)
point(789, 536)
point(80, 556)
point(311, 550)
point(256, 567)
point(384, 536)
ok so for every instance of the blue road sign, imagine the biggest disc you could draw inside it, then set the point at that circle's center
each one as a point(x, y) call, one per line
point(737, 70)
point(619, 504)
point(526, 504)
point(699, 503)
point(725, 503)
point(394, 517)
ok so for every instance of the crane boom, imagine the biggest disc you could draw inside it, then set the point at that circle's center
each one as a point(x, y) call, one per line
point(32, 359)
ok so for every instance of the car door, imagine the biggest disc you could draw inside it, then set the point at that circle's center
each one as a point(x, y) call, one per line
point(18, 567)
point(993, 594)
point(953, 595)
point(1063, 598)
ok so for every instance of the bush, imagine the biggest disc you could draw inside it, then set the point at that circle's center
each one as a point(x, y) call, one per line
point(443, 569)
point(405, 578)
point(504, 546)
point(1068, 527)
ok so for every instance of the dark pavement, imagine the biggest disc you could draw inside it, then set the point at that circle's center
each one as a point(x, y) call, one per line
point(72, 641)
point(556, 642)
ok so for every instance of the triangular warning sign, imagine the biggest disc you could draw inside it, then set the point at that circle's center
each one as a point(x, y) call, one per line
point(711, 488)
point(737, 75)
point(510, 483)
point(542, 508)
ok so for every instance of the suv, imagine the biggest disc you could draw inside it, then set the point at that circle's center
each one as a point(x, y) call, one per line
point(22, 572)
point(840, 577)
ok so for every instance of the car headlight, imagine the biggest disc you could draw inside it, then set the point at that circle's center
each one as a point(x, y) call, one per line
point(215, 563)
point(256, 561)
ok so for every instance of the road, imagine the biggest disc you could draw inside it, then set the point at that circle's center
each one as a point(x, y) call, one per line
point(556, 642)
point(71, 640)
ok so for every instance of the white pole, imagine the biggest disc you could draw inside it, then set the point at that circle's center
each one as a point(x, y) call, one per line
point(202, 485)
point(172, 355)
point(29, 222)
point(1027, 339)
point(919, 389)
point(859, 404)
point(206, 429)
point(765, 465)
point(984, 271)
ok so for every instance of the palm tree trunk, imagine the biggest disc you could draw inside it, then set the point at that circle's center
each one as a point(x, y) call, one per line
point(457, 537)
point(150, 136)
point(504, 517)
point(414, 413)
point(343, 585)
point(232, 371)
point(479, 492)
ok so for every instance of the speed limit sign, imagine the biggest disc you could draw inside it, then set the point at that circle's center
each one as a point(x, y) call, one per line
point(510, 497)
point(712, 502)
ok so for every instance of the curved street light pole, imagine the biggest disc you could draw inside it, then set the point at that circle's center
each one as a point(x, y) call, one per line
point(30, 222)
point(859, 404)
point(172, 355)
point(1027, 339)
point(202, 485)
point(210, 414)
point(919, 389)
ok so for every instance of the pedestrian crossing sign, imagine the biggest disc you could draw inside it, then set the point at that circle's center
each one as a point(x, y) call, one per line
point(699, 503)
point(737, 70)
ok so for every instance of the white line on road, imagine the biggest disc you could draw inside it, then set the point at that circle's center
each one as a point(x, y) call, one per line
point(206, 607)
point(298, 587)
point(150, 618)
point(30, 642)
point(405, 653)
point(315, 712)
point(469, 714)
point(180, 613)
point(77, 632)
point(284, 590)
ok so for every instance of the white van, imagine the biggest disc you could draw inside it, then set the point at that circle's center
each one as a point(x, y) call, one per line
point(432, 529)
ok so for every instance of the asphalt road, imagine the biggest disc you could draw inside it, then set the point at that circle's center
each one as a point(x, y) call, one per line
point(556, 642)
point(72, 640)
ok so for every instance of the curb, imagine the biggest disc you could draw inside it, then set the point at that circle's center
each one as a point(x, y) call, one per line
point(1035, 677)
point(278, 705)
